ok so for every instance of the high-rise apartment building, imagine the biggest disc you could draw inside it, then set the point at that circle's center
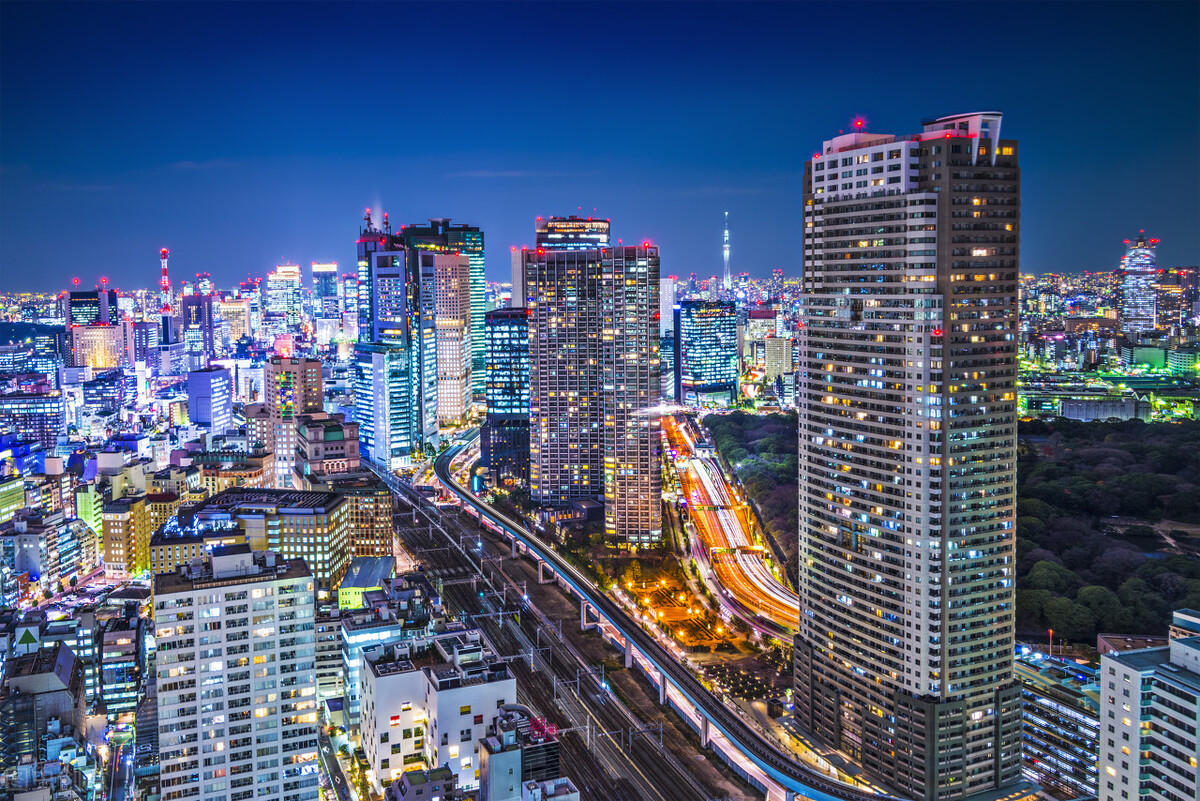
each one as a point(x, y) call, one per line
point(210, 398)
point(594, 374)
point(504, 438)
point(707, 343)
point(453, 319)
point(907, 396)
point(1139, 274)
point(1149, 717)
point(237, 705)
point(291, 387)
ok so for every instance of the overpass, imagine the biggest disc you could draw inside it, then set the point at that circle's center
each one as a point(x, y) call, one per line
point(780, 776)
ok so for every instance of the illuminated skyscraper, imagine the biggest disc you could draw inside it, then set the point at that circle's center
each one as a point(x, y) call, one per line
point(92, 306)
point(594, 373)
point(454, 326)
point(291, 387)
point(572, 233)
point(283, 293)
point(397, 306)
point(1139, 274)
point(907, 396)
point(707, 358)
point(326, 303)
point(504, 439)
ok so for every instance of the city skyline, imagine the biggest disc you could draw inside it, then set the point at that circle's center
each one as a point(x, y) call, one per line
point(274, 167)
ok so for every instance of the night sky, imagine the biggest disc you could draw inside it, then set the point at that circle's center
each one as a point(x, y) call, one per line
point(242, 135)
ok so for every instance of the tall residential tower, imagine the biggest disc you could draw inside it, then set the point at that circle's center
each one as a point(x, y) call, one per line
point(594, 374)
point(907, 398)
point(1139, 274)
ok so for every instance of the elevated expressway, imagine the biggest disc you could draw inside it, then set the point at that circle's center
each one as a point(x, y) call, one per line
point(722, 524)
point(719, 727)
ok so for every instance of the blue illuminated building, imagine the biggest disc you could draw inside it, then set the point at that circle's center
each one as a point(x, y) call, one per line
point(706, 353)
point(504, 444)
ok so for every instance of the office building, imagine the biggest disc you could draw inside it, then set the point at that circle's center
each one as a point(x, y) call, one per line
point(40, 687)
point(91, 307)
point(384, 407)
point(101, 346)
point(283, 294)
point(397, 308)
point(504, 438)
point(453, 319)
point(263, 743)
point(1149, 718)
point(572, 233)
point(326, 299)
point(146, 339)
point(210, 398)
point(121, 661)
point(231, 467)
point(519, 749)
point(369, 525)
point(594, 373)
point(907, 399)
point(41, 417)
point(777, 357)
point(706, 341)
point(291, 387)
point(198, 328)
point(1138, 274)
point(126, 537)
point(326, 443)
point(236, 314)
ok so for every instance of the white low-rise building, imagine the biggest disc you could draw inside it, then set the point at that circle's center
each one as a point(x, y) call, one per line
point(431, 705)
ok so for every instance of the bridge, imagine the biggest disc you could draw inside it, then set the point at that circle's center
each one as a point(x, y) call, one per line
point(780, 776)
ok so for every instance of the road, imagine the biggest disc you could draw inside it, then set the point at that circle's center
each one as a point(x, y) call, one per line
point(721, 520)
point(751, 746)
point(120, 771)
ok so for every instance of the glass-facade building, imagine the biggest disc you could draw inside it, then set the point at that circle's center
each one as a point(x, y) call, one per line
point(504, 444)
point(706, 352)
point(1139, 274)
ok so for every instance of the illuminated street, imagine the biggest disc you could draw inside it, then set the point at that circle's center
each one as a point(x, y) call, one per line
point(721, 520)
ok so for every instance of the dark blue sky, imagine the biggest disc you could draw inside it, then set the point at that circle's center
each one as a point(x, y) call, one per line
point(239, 135)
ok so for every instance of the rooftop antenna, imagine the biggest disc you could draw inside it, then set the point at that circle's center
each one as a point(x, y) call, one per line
point(387, 226)
point(725, 250)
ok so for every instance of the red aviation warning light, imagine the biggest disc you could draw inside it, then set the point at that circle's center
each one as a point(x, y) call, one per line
point(163, 253)
point(859, 123)
point(104, 280)
point(937, 332)
point(75, 281)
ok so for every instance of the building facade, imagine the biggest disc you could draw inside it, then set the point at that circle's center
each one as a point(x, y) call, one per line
point(210, 398)
point(1149, 717)
point(454, 347)
point(594, 374)
point(707, 359)
point(504, 438)
point(904, 657)
point(254, 706)
point(1139, 274)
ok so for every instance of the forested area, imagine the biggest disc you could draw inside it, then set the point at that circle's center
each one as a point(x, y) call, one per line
point(1090, 496)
